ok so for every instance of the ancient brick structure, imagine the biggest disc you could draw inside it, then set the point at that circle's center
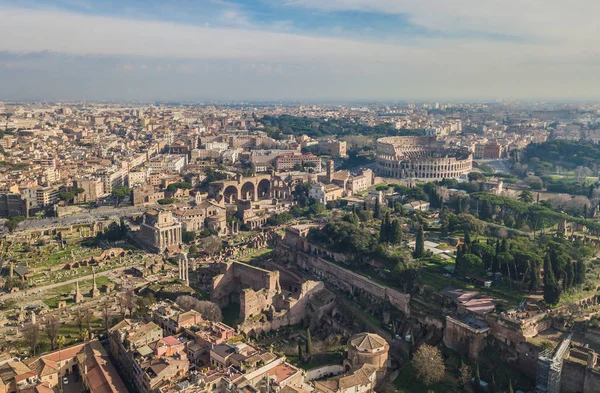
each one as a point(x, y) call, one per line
point(421, 158)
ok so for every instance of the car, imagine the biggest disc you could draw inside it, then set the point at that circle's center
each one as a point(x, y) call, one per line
point(65, 381)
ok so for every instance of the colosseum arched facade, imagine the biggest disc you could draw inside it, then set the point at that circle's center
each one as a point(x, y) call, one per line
point(403, 157)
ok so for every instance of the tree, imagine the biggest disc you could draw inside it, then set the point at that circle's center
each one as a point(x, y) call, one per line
point(88, 315)
point(106, 313)
point(377, 210)
point(396, 232)
point(51, 325)
point(13, 222)
point(510, 387)
point(300, 351)
point(464, 374)
point(580, 269)
point(420, 244)
point(60, 341)
point(210, 245)
point(551, 288)
point(31, 335)
point(308, 343)
point(84, 334)
point(477, 380)
point(130, 302)
point(120, 193)
point(188, 236)
point(569, 276)
point(209, 310)
point(526, 196)
point(79, 318)
point(429, 364)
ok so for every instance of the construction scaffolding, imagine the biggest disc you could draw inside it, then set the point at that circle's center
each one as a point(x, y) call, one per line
point(550, 368)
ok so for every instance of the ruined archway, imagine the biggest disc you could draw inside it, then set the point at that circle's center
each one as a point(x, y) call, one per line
point(248, 191)
point(264, 188)
point(230, 194)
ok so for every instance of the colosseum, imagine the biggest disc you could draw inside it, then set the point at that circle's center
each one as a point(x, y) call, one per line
point(420, 157)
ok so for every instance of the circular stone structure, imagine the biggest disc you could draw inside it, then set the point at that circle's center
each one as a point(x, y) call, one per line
point(368, 348)
point(420, 157)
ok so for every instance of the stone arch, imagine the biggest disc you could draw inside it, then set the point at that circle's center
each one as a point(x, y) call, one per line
point(248, 191)
point(264, 188)
point(231, 194)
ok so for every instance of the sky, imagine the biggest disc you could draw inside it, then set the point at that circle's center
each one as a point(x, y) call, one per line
point(309, 50)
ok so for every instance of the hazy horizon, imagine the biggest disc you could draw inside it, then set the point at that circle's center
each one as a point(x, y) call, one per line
point(302, 50)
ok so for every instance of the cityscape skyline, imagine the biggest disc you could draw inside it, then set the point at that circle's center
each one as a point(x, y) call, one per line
point(297, 50)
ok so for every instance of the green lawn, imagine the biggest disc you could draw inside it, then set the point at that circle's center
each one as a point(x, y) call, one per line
point(407, 382)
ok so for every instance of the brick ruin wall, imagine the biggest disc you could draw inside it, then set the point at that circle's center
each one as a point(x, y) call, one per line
point(289, 311)
point(578, 378)
point(464, 339)
point(256, 287)
point(343, 278)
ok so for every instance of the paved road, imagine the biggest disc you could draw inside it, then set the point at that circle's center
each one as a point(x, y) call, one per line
point(499, 166)
point(86, 217)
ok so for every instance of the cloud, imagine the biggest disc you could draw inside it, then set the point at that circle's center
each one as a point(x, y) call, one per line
point(535, 19)
point(170, 59)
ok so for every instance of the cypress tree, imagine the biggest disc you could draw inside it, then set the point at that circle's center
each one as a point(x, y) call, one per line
point(493, 386)
point(396, 232)
point(569, 276)
point(510, 388)
point(497, 247)
point(308, 342)
point(534, 278)
point(551, 288)
point(420, 244)
point(504, 246)
point(460, 252)
point(477, 380)
point(377, 210)
point(468, 242)
point(382, 232)
point(579, 273)
point(300, 351)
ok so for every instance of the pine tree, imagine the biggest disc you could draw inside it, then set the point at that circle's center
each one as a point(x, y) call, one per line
point(308, 342)
point(420, 244)
point(551, 288)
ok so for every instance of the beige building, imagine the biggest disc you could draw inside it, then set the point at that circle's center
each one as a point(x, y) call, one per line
point(159, 230)
point(93, 189)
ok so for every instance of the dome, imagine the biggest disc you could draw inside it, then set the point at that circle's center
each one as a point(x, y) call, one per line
point(368, 342)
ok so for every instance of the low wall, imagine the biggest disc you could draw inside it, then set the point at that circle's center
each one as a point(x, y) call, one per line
point(344, 278)
point(324, 371)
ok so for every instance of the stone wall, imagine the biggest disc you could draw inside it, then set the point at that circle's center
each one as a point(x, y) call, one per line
point(236, 277)
point(343, 278)
point(289, 310)
point(464, 339)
